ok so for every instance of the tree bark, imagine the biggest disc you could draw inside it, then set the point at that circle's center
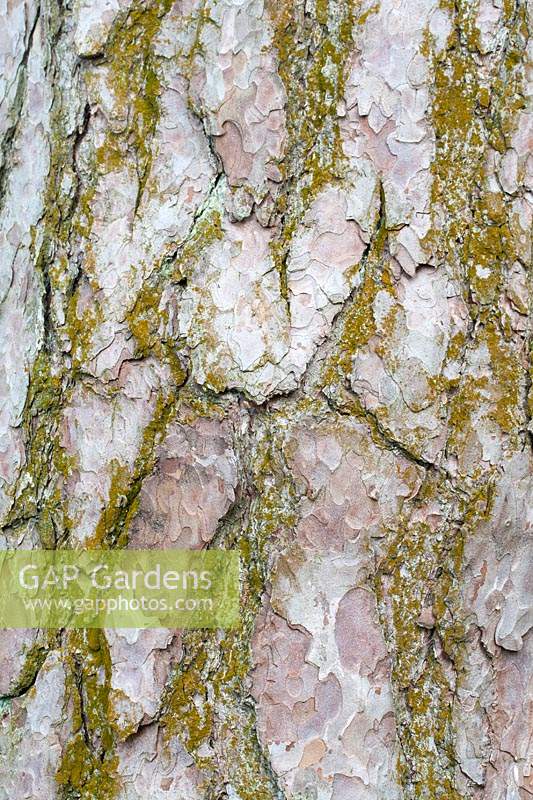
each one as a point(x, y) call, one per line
point(265, 285)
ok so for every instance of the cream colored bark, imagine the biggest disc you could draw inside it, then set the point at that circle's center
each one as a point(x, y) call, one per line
point(264, 284)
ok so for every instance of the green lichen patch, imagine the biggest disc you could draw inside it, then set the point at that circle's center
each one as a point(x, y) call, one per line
point(510, 379)
point(135, 81)
point(473, 233)
point(80, 327)
point(88, 767)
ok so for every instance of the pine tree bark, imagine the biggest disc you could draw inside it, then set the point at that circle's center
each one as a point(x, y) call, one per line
point(265, 285)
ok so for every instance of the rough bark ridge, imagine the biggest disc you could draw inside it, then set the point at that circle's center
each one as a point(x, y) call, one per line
point(264, 285)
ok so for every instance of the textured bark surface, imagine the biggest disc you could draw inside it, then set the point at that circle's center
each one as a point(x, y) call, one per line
point(264, 285)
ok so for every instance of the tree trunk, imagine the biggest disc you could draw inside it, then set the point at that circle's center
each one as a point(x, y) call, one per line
point(264, 286)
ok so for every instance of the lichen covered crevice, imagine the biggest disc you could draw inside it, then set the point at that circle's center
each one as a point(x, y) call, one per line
point(34, 658)
point(88, 767)
point(36, 497)
point(112, 528)
point(313, 45)
point(357, 325)
point(207, 702)
point(136, 84)
point(354, 329)
point(417, 584)
point(149, 318)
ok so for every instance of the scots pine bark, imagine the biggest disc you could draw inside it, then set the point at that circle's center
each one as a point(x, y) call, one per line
point(265, 285)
